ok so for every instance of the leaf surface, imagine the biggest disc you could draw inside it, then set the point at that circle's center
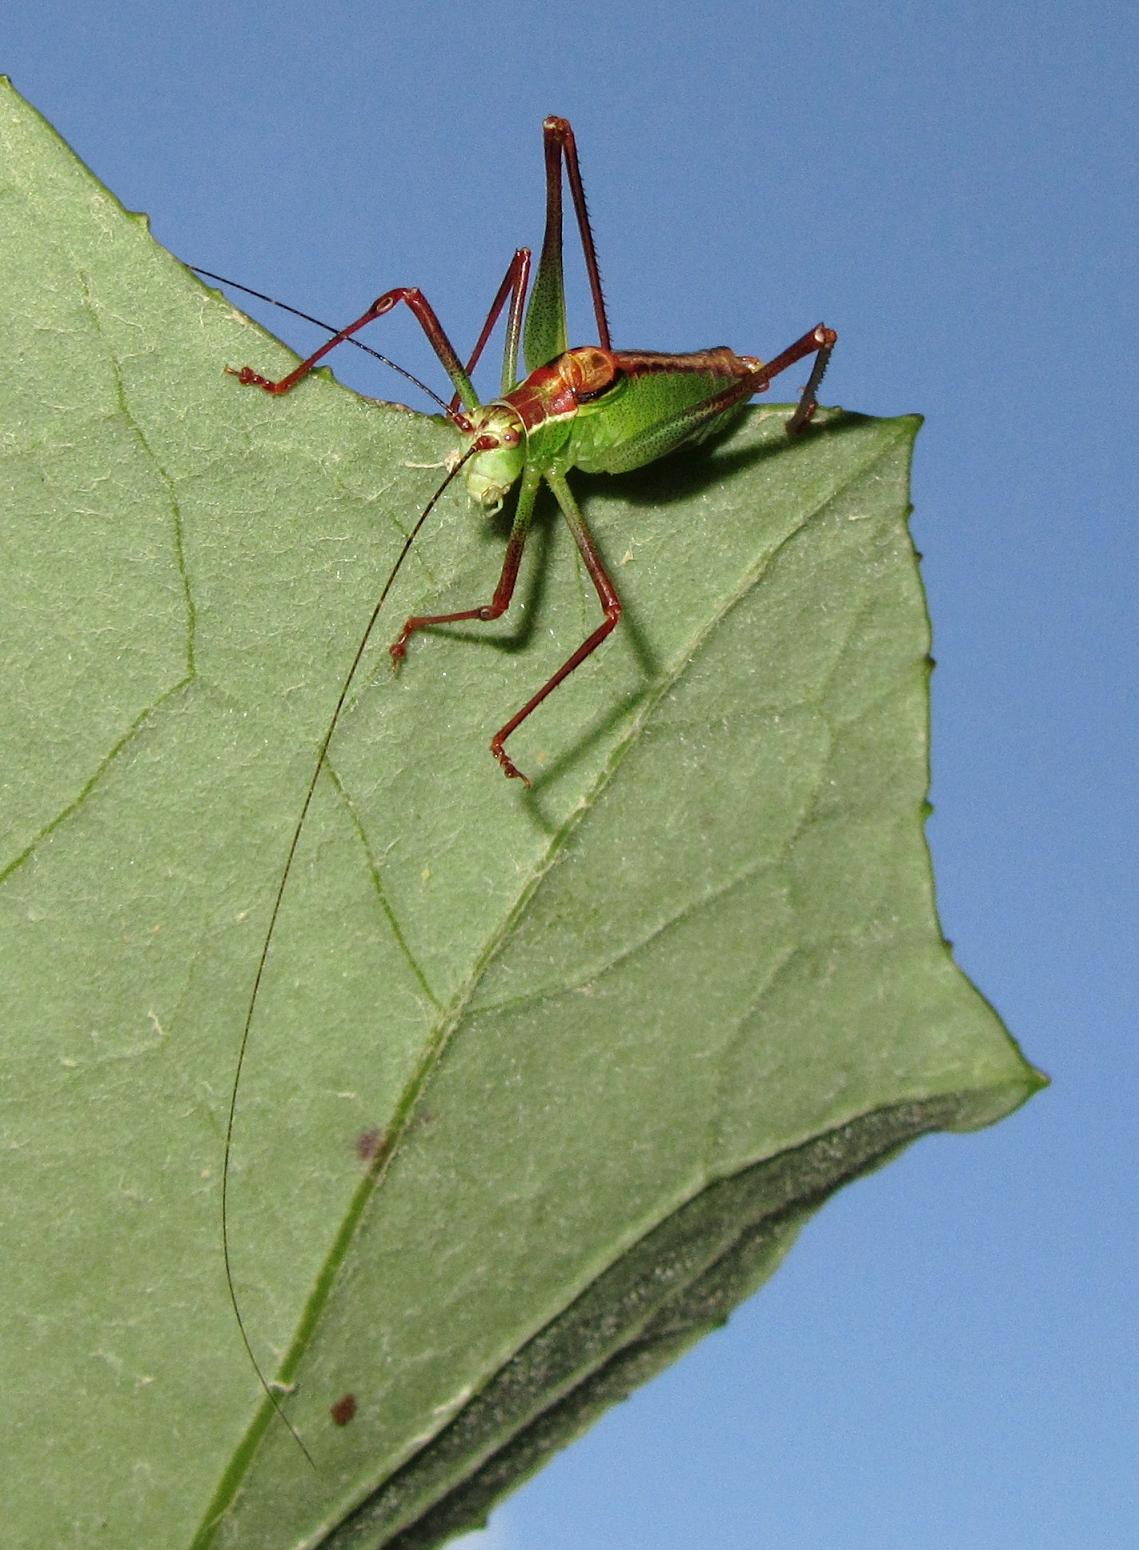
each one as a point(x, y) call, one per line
point(540, 1085)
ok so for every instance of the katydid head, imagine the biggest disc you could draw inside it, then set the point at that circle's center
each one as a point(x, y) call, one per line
point(495, 451)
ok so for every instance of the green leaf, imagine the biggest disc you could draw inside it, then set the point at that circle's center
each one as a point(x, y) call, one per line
point(614, 1039)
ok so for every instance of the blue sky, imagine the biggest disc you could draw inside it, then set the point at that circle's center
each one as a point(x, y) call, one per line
point(948, 1357)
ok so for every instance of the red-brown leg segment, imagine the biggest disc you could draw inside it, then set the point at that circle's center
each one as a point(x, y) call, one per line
point(514, 284)
point(560, 127)
point(545, 335)
point(500, 602)
point(559, 138)
point(425, 316)
point(610, 604)
point(820, 343)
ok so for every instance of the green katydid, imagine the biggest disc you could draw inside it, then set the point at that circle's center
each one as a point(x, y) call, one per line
point(594, 408)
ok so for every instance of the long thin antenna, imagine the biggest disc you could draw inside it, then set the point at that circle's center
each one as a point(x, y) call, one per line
point(269, 930)
point(328, 328)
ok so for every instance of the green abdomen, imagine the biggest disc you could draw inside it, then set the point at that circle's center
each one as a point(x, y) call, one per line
point(659, 403)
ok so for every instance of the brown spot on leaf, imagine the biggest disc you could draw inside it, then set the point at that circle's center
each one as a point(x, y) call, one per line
point(368, 1143)
point(343, 1410)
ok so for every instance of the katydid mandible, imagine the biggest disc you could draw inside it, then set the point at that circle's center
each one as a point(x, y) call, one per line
point(595, 408)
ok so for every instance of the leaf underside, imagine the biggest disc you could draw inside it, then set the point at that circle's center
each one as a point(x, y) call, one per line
point(540, 1085)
